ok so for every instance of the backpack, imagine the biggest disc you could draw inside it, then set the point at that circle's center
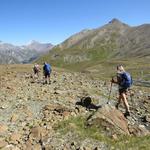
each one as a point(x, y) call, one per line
point(47, 68)
point(126, 80)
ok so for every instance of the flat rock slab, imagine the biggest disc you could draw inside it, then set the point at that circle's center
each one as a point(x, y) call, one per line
point(110, 119)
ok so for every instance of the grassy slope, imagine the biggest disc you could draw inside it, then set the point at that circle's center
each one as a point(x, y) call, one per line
point(102, 51)
point(78, 125)
point(101, 64)
point(100, 60)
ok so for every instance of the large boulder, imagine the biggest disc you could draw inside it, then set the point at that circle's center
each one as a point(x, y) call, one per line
point(109, 119)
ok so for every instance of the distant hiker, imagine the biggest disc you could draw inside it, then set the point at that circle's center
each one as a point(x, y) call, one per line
point(47, 71)
point(124, 80)
point(36, 70)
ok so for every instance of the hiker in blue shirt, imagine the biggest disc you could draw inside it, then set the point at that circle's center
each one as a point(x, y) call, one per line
point(124, 81)
point(47, 72)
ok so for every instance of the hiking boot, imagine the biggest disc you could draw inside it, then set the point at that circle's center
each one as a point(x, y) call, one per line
point(127, 113)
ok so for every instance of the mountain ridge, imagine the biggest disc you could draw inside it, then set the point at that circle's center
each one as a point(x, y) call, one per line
point(10, 53)
point(114, 40)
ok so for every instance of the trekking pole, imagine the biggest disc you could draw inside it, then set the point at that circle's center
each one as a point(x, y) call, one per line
point(131, 96)
point(109, 93)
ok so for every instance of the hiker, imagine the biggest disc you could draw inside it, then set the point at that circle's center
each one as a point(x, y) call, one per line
point(36, 70)
point(47, 71)
point(124, 81)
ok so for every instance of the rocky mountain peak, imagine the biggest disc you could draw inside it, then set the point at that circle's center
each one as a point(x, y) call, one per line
point(33, 42)
point(114, 20)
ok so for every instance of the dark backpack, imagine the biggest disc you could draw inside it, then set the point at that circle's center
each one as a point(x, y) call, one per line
point(126, 80)
point(36, 69)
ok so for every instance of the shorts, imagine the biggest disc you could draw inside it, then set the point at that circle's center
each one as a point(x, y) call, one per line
point(123, 90)
point(47, 74)
point(36, 71)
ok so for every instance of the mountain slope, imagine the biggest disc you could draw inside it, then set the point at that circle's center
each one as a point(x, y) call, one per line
point(39, 47)
point(135, 42)
point(115, 40)
point(10, 54)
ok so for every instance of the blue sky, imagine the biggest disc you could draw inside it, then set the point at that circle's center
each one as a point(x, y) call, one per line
point(55, 20)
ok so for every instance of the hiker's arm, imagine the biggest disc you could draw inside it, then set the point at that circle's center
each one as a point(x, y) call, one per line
point(114, 81)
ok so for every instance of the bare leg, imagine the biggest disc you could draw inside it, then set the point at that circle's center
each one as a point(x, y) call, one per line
point(125, 102)
point(49, 80)
point(119, 101)
point(46, 80)
point(37, 74)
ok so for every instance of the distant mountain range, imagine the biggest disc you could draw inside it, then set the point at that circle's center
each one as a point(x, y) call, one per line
point(115, 40)
point(10, 54)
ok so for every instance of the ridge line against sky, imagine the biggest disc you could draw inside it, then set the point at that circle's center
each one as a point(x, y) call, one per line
point(55, 20)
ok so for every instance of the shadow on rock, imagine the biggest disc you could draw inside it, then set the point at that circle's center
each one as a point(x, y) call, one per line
point(87, 103)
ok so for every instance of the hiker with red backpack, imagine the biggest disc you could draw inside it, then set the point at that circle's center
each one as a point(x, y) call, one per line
point(124, 81)
point(47, 72)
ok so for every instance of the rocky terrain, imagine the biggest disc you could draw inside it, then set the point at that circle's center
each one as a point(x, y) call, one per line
point(11, 54)
point(59, 116)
